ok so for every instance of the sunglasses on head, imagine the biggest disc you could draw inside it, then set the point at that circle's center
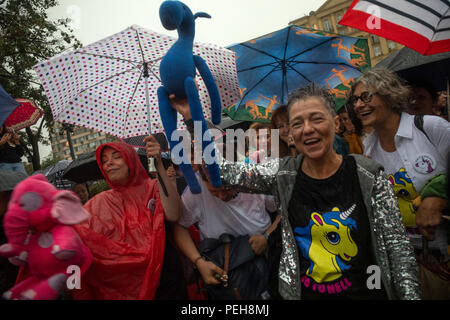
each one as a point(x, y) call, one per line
point(365, 97)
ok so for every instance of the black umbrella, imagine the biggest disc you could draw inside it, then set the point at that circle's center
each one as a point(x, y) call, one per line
point(417, 68)
point(414, 67)
point(85, 168)
point(54, 174)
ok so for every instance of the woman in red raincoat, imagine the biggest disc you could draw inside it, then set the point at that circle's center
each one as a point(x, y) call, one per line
point(126, 231)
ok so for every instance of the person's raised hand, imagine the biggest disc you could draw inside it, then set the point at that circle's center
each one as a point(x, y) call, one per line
point(181, 106)
point(152, 147)
point(5, 138)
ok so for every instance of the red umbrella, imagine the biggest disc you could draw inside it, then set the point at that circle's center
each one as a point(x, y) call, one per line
point(24, 115)
point(420, 25)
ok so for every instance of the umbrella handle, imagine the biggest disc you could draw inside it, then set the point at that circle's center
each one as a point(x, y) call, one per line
point(151, 165)
point(151, 161)
point(152, 169)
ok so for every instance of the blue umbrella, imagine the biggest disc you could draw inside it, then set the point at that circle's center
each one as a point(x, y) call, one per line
point(7, 105)
point(270, 67)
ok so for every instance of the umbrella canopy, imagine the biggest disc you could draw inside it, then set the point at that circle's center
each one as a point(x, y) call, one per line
point(85, 168)
point(7, 105)
point(420, 25)
point(82, 169)
point(103, 86)
point(54, 174)
point(270, 67)
point(414, 67)
point(25, 115)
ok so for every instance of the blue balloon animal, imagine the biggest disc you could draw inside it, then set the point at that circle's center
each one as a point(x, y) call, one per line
point(177, 71)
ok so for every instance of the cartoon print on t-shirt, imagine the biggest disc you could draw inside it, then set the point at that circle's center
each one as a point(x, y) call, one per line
point(327, 244)
point(408, 198)
point(425, 164)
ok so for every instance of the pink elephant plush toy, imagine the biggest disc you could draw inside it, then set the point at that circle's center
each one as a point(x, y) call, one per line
point(37, 225)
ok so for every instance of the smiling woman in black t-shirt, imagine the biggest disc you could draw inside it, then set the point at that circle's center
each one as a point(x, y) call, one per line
point(329, 221)
point(327, 215)
point(342, 233)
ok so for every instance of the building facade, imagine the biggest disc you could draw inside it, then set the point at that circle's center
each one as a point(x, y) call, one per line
point(83, 140)
point(326, 18)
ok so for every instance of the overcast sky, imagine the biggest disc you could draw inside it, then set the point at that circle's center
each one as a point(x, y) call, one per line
point(232, 21)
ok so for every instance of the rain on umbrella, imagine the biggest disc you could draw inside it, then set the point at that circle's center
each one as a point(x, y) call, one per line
point(84, 168)
point(25, 115)
point(7, 105)
point(423, 26)
point(54, 174)
point(270, 67)
point(103, 86)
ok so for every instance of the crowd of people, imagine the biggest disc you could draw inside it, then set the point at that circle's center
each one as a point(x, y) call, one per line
point(362, 186)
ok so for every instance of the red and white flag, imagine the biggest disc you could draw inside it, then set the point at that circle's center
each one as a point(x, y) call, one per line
point(422, 25)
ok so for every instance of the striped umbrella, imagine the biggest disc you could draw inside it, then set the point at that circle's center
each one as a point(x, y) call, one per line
point(423, 26)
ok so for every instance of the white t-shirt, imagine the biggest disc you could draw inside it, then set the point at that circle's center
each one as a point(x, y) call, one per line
point(243, 215)
point(415, 160)
point(420, 158)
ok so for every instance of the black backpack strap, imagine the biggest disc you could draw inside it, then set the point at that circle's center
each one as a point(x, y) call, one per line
point(418, 122)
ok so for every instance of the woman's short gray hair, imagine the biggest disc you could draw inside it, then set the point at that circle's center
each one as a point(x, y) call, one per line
point(313, 90)
point(392, 89)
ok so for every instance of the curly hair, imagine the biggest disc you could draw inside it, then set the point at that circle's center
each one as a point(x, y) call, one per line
point(392, 89)
point(313, 90)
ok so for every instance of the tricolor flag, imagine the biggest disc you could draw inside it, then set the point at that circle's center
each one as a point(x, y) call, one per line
point(422, 25)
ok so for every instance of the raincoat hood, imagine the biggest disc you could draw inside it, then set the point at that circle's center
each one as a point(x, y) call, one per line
point(137, 172)
point(125, 234)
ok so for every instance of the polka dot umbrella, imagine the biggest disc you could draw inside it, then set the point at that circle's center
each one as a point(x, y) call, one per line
point(103, 86)
point(25, 115)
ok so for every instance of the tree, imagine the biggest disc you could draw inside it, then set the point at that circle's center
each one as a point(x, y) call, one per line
point(27, 37)
point(49, 161)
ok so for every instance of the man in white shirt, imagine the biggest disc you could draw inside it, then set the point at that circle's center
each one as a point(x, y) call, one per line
point(218, 211)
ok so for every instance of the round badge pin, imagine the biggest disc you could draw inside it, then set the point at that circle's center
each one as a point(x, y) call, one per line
point(425, 164)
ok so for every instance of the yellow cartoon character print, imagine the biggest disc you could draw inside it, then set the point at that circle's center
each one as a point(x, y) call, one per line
point(327, 244)
point(407, 196)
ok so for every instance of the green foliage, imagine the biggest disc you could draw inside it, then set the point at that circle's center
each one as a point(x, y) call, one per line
point(28, 37)
point(29, 168)
point(97, 187)
point(47, 162)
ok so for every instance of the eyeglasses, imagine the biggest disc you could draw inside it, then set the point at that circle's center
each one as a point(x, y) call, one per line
point(365, 97)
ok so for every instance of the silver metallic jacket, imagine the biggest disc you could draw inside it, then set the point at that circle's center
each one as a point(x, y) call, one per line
point(391, 248)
